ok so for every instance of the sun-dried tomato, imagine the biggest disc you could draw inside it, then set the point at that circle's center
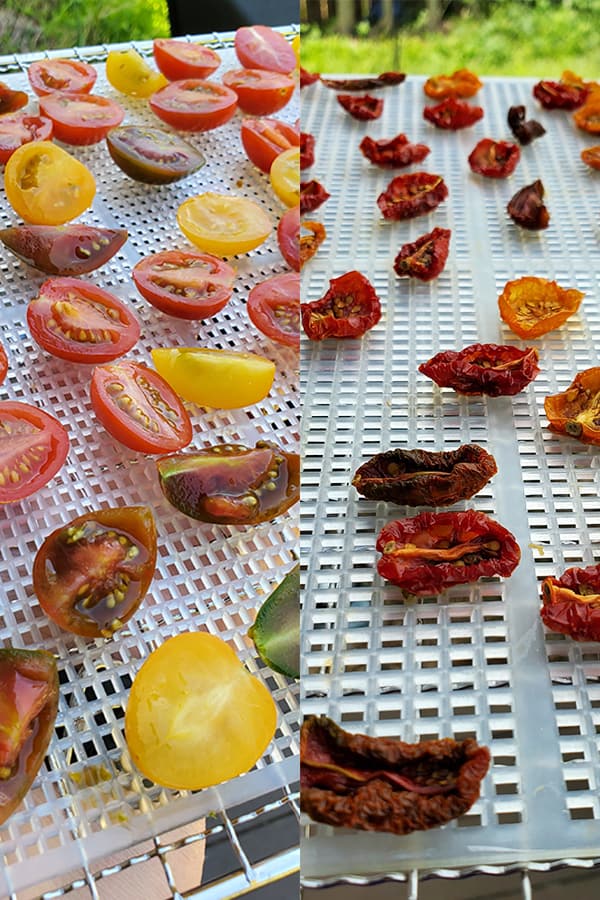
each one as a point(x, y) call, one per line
point(407, 196)
point(425, 478)
point(307, 78)
point(494, 159)
point(524, 131)
point(534, 306)
point(527, 208)
point(310, 243)
point(312, 195)
point(588, 117)
point(433, 551)
point(426, 257)
point(394, 153)
point(453, 114)
point(349, 308)
point(382, 784)
point(369, 83)
point(307, 150)
point(591, 156)
point(491, 369)
point(560, 95)
point(571, 603)
point(362, 108)
point(462, 83)
point(576, 411)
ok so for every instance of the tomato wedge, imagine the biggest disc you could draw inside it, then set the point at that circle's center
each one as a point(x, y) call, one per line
point(67, 75)
point(222, 224)
point(63, 249)
point(264, 139)
point(274, 307)
point(33, 447)
point(77, 321)
point(260, 47)
point(187, 285)
point(152, 155)
point(21, 129)
point(194, 105)
point(260, 92)
point(288, 237)
point(182, 59)
point(81, 119)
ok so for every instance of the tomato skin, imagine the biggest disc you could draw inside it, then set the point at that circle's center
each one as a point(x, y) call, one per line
point(362, 108)
point(77, 321)
point(274, 307)
point(591, 157)
point(68, 75)
point(128, 72)
point(285, 176)
point(573, 411)
point(166, 280)
point(260, 92)
point(288, 237)
point(63, 249)
point(453, 114)
point(223, 224)
point(531, 306)
point(348, 309)
point(264, 139)
point(81, 119)
point(152, 155)
point(178, 60)
point(494, 159)
point(310, 243)
point(260, 47)
point(37, 431)
point(11, 101)
point(462, 83)
point(194, 105)
point(3, 364)
point(21, 129)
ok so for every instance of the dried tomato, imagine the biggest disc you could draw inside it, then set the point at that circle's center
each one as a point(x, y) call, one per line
point(426, 257)
point(527, 207)
point(571, 603)
point(425, 478)
point(312, 195)
point(560, 95)
point(362, 108)
point(310, 243)
point(491, 369)
point(407, 196)
point(591, 156)
point(533, 306)
point(307, 78)
point(349, 308)
point(11, 101)
point(381, 784)
point(307, 150)
point(494, 159)
point(394, 153)
point(576, 411)
point(386, 79)
point(524, 131)
point(433, 551)
point(453, 114)
point(462, 83)
point(588, 117)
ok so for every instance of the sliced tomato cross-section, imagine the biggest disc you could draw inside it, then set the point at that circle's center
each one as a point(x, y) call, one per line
point(187, 285)
point(33, 447)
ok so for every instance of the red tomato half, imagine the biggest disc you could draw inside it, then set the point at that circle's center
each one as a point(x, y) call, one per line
point(75, 320)
point(288, 237)
point(260, 47)
point(81, 119)
point(187, 285)
point(274, 307)
point(265, 139)
point(260, 92)
point(3, 364)
point(137, 406)
point(67, 75)
point(33, 447)
point(21, 129)
point(194, 105)
point(183, 59)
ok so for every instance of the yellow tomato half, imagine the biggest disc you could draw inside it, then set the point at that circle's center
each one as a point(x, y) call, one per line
point(285, 176)
point(129, 73)
point(195, 715)
point(222, 224)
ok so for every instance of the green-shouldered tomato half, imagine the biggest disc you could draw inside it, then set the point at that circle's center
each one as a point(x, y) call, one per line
point(152, 155)
point(63, 249)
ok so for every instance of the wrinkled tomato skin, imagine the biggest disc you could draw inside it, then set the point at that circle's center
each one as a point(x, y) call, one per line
point(73, 125)
point(571, 603)
point(426, 257)
point(368, 83)
point(494, 159)
point(461, 83)
point(524, 131)
point(557, 95)
point(288, 237)
point(310, 243)
point(348, 310)
point(63, 249)
point(181, 294)
point(36, 457)
point(573, 412)
point(265, 138)
point(91, 575)
point(47, 76)
point(178, 60)
point(312, 195)
point(274, 307)
point(152, 155)
point(527, 207)
point(307, 150)
point(452, 114)
point(490, 369)
point(259, 92)
point(531, 306)
point(11, 101)
point(408, 196)
point(194, 105)
point(588, 116)
point(260, 47)
point(393, 154)
point(362, 108)
point(21, 129)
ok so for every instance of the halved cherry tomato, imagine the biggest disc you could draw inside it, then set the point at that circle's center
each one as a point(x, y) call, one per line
point(288, 237)
point(533, 306)
point(274, 307)
point(260, 47)
point(45, 185)
point(139, 409)
point(285, 176)
point(152, 155)
point(67, 75)
point(75, 320)
point(187, 285)
point(33, 447)
point(63, 249)
point(260, 92)
point(81, 119)
point(21, 129)
point(182, 59)
point(11, 101)
point(3, 364)
point(264, 139)
point(217, 223)
point(590, 156)
point(194, 105)
point(91, 575)
point(128, 72)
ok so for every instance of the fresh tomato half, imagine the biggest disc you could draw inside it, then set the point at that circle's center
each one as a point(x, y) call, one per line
point(187, 285)
point(67, 75)
point(152, 155)
point(139, 409)
point(194, 105)
point(260, 47)
point(63, 249)
point(45, 185)
point(81, 119)
point(76, 320)
point(21, 129)
point(91, 575)
point(264, 139)
point(178, 60)
point(288, 237)
point(33, 447)
point(285, 176)
point(224, 225)
point(11, 101)
point(195, 715)
point(274, 307)
point(128, 72)
point(259, 92)
point(3, 364)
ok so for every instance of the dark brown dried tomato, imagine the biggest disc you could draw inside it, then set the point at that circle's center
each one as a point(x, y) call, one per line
point(426, 257)
point(559, 95)
point(576, 411)
point(491, 369)
point(494, 159)
point(527, 207)
point(310, 243)
point(453, 114)
point(394, 153)
point(381, 784)
point(407, 196)
point(307, 150)
point(349, 308)
point(425, 478)
point(312, 195)
point(362, 108)
point(524, 131)
point(307, 78)
point(571, 603)
point(386, 79)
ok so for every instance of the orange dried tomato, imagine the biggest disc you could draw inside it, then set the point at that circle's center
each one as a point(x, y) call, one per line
point(310, 243)
point(591, 156)
point(533, 306)
point(461, 83)
point(588, 116)
point(576, 411)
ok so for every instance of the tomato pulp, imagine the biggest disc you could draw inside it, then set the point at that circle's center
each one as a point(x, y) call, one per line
point(33, 447)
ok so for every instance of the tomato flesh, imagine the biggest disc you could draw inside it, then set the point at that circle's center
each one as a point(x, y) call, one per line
point(128, 72)
point(11, 101)
point(33, 447)
point(63, 249)
point(81, 119)
point(67, 75)
point(178, 60)
point(186, 285)
point(259, 92)
point(274, 307)
point(223, 224)
point(288, 237)
point(264, 139)
point(21, 129)
point(285, 176)
point(152, 155)
point(194, 104)
point(260, 47)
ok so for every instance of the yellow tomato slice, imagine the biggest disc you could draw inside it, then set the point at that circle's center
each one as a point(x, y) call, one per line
point(45, 185)
point(129, 73)
point(195, 715)
point(220, 379)
point(285, 176)
point(221, 224)
point(296, 48)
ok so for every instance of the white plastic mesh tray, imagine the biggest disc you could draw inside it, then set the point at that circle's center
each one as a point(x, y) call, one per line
point(207, 577)
point(476, 661)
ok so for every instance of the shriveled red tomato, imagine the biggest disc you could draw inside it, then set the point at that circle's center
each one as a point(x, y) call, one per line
point(453, 114)
point(188, 285)
point(264, 139)
point(364, 82)
point(21, 129)
point(76, 320)
point(426, 257)
point(591, 157)
point(72, 76)
point(260, 47)
point(395, 153)
point(91, 575)
point(310, 243)
point(260, 92)
point(63, 249)
point(178, 60)
point(139, 408)
point(560, 95)
point(33, 447)
point(152, 155)
point(274, 307)
point(491, 369)
point(574, 412)
point(307, 150)
point(407, 196)
point(363, 107)
point(307, 78)
point(494, 159)
point(288, 237)
point(462, 83)
point(194, 104)
point(81, 119)
point(312, 195)
point(349, 309)
point(3, 364)
point(571, 603)
point(11, 101)
point(533, 306)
